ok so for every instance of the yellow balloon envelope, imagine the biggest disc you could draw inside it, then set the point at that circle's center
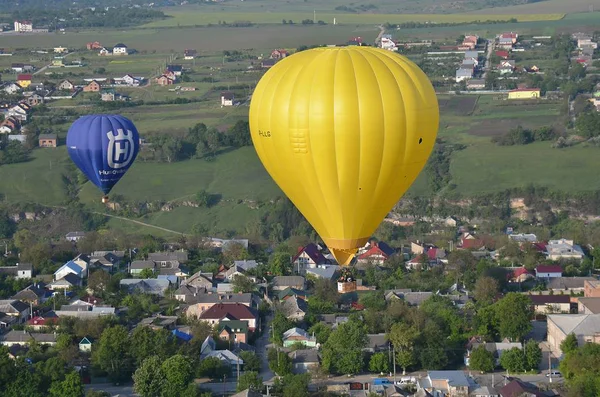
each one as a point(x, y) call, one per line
point(344, 132)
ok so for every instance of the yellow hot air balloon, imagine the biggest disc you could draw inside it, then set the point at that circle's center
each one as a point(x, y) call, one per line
point(344, 132)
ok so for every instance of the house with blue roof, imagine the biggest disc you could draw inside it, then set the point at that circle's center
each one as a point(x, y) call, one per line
point(69, 267)
point(182, 336)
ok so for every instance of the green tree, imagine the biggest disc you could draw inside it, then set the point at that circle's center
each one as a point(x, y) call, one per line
point(146, 342)
point(533, 355)
point(321, 332)
point(280, 264)
point(251, 361)
point(70, 387)
point(242, 283)
point(112, 353)
point(569, 344)
point(213, 368)
point(379, 363)
point(178, 375)
point(581, 366)
point(98, 281)
point(293, 385)
point(482, 360)
point(403, 338)
point(149, 378)
point(279, 325)
point(279, 362)
point(513, 314)
point(342, 353)
point(146, 273)
point(25, 382)
point(486, 290)
point(513, 360)
point(250, 380)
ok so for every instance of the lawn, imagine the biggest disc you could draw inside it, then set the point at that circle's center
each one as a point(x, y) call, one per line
point(485, 168)
point(36, 181)
point(236, 175)
point(191, 18)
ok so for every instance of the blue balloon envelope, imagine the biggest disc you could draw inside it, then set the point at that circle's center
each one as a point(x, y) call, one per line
point(103, 146)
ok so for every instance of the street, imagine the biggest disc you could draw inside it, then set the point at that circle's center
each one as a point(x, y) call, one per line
point(125, 391)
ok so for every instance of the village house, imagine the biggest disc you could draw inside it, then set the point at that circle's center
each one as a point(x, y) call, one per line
point(68, 281)
point(12, 88)
point(85, 344)
point(34, 99)
point(451, 383)
point(95, 45)
point(506, 66)
point(69, 267)
point(283, 282)
point(308, 257)
point(24, 80)
point(591, 288)
point(61, 50)
point(19, 112)
point(268, 63)
point(15, 308)
point(502, 54)
point(38, 323)
point(298, 336)
point(189, 54)
point(165, 80)
point(376, 252)
point(47, 140)
point(227, 98)
point(74, 237)
point(548, 271)
point(304, 360)
point(279, 54)
point(470, 41)
point(524, 93)
point(586, 328)
point(563, 249)
point(120, 49)
point(233, 311)
point(294, 308)
point(387, 43)
point(23, 338)
point(588, 306)
point(476, 84)
point(201, 302)
point(549, 304)
point(66, 85)
point(94, 86)
point(149, 286)
point(19, 271)
point(131, 81)
point(464, 72)
point(23, 26)
point(233, 330)
point(520, 275)
point(104, 51)
point(177, 70)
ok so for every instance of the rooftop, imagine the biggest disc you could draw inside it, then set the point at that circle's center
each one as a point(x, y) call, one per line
point(579, 324)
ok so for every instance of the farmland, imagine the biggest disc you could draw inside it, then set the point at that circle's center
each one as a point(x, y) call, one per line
point(191, 18)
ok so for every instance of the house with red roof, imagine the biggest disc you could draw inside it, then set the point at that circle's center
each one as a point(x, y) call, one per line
point(502, 54)
point(309, 257)
point(279, 54)
point(232, 311)
point(470, 242)
point(519, 275)
point(39, 322)
point(376, 252)
point(548, 271)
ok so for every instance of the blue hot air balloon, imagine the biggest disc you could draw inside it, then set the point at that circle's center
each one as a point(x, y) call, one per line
point(103, 146)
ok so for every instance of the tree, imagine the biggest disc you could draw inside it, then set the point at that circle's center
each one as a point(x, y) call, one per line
point(149, 378)
point(482, 360)
point(98, 281)
point(279, 362)
point(250, 380)
point(321, 332)
point(293, 385)
point(379, 363)
point(581, 365)
point(569, 344)
point(242, 283)
point(178, 375)
point(112, 353)
point(279, 264)
point(403, 337)
point(213, 368)
point(70, 387)
point(486, 290)
point(146, 342)
point(533, 355)
point(146, 273)
point(251, 361)
point(342, 353)
point(279, 325)
point(513, 313)
point(513, 360)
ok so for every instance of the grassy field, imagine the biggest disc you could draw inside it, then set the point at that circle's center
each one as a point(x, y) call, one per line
point(190, 18)
point(571, 6)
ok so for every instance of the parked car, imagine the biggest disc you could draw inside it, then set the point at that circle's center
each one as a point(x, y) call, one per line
point(556, 374)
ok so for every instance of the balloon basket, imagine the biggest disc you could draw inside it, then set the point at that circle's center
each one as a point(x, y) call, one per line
point(104, 199)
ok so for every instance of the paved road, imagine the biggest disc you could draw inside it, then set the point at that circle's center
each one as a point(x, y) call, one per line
point(262, 346)
point(125, 391)
point(488, 56)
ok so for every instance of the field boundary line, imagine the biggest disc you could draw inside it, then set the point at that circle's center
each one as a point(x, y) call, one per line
point(139, 222)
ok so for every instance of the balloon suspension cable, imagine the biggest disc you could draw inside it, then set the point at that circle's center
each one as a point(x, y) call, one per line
point(104, 199)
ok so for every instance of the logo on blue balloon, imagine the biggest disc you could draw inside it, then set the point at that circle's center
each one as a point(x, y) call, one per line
point(120, 149)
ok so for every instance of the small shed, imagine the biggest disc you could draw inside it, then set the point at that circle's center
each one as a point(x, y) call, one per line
point(85, 345)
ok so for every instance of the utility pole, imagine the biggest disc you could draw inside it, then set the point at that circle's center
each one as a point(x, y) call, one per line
point(394, 355)
point(314, 16)
point(550, 366)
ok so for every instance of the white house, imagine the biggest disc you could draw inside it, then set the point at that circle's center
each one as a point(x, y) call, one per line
point(131, 81)
point(548, 271)
point(227, 99)
point(20, 112)
point(387, 43)
point(12, 88)
point(563, 249)
point(23, 26)
point(120, 49)
point(69, 267)
point(104, 51)
point(74, 236)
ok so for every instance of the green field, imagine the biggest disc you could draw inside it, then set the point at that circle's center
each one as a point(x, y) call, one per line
point(190, 18)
